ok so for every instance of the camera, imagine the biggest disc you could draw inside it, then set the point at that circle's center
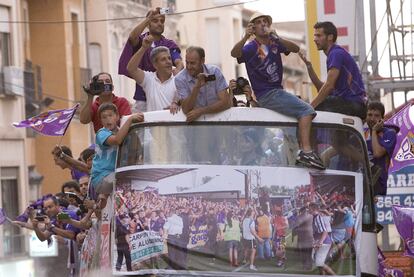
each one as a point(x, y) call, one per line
point(210, 78)
point(98, 86)
point(240, 84)
point(164, 10)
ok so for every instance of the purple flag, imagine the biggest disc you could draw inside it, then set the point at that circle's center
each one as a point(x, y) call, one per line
point(403, 154)
point(3, 216)
point(384, 271)
point(50, 123)
point(403, 220)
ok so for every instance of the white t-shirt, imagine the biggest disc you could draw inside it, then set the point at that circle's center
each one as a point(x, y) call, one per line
point(159, 95)
point(248, 225)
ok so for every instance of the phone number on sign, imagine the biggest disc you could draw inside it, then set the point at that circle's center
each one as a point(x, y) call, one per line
point(384, 204)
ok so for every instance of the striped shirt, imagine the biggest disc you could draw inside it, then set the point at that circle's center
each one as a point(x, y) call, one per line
point(319, 226)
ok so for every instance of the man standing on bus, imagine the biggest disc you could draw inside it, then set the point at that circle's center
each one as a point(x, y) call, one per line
point(380, 143)
point(343, 91)
point(201, 87)
point(154, 21)
point(265, 69)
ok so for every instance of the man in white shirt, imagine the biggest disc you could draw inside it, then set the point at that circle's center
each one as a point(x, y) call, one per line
point(159, 86)
point(173, 228)
point(249, 238)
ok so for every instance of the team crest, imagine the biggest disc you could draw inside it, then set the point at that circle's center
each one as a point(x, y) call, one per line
point(406, 151)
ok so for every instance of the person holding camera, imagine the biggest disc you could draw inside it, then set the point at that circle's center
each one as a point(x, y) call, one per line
point(154, 21)
point(101, 85)
point(201, 87)
point(159, 86)
point(242, 86)
point(262, 57)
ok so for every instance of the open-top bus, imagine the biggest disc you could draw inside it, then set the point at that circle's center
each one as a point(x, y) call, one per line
point(176, 180)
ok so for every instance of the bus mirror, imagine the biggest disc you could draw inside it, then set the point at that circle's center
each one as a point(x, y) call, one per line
point(348, 121)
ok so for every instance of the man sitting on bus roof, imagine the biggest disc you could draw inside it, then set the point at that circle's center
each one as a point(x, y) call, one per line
point(159, 86)
point(264, 67)
point(343, 91)
point(201, 87)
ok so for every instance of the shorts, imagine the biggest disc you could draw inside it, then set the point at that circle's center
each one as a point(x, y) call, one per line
point(319, 254)
point(337, 104)
point(249, 244)
point(232, 244)
point(106, 185)
point(283, 102)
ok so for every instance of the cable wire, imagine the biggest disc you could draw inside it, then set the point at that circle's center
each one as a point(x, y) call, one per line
point(121, 18)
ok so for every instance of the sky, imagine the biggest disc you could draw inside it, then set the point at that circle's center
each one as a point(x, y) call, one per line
point(280, 10)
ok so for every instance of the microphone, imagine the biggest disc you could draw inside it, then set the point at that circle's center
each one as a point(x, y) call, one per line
point(272, 33)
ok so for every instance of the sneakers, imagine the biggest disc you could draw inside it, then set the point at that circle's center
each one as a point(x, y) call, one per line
point(310, 159)
point(252, 267)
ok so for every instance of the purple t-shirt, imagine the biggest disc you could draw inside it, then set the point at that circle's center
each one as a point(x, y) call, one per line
point(263, 65)
point(145, 64)
point(349, 85)
point(387, 139)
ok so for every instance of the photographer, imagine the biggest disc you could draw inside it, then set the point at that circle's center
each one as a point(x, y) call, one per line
point(101, 85)
point(201, 88)
point(242, 86)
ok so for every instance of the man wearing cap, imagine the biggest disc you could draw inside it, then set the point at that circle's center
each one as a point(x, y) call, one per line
point(264, 67)
point(155, 23)
point(343, 91)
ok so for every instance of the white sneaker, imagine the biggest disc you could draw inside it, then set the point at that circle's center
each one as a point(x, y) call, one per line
point(252, 267)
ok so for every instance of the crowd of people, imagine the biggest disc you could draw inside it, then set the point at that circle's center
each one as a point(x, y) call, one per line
point(243, 231)
point(197, 88)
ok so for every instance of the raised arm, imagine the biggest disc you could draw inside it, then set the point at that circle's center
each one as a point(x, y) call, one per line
point(134, 35)
point(236, 52)
point(133, 70)
point(312, 74)
point(117, 138)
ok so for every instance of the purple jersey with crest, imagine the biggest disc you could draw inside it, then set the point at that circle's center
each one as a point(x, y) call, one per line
point(263, 65)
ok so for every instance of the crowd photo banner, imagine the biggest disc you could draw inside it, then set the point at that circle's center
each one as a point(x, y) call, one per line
point(181, 219)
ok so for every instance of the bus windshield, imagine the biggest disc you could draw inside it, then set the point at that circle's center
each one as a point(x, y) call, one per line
point(240, 144)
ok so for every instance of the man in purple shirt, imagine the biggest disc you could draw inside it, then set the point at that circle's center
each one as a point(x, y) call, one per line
point(155, 23)
point(262, 57)
point(380, 141)
point(343, 91)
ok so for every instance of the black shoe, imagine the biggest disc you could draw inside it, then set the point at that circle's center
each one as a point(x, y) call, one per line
point(310, 159)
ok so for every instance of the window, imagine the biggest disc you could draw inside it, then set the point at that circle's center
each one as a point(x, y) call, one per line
point(13, 239)
point(95, 60)
point(5, 49)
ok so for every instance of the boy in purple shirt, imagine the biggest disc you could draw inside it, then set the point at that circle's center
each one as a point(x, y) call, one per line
point(155, 23)
point(343, 91)
point(265, 70)
point(380, 143)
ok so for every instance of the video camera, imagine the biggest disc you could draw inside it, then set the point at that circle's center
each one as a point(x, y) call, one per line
point(240, 84)
point(97, 86)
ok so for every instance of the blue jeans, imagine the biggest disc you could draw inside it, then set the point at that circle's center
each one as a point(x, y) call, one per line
point(285, 103)
point(263, 249)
